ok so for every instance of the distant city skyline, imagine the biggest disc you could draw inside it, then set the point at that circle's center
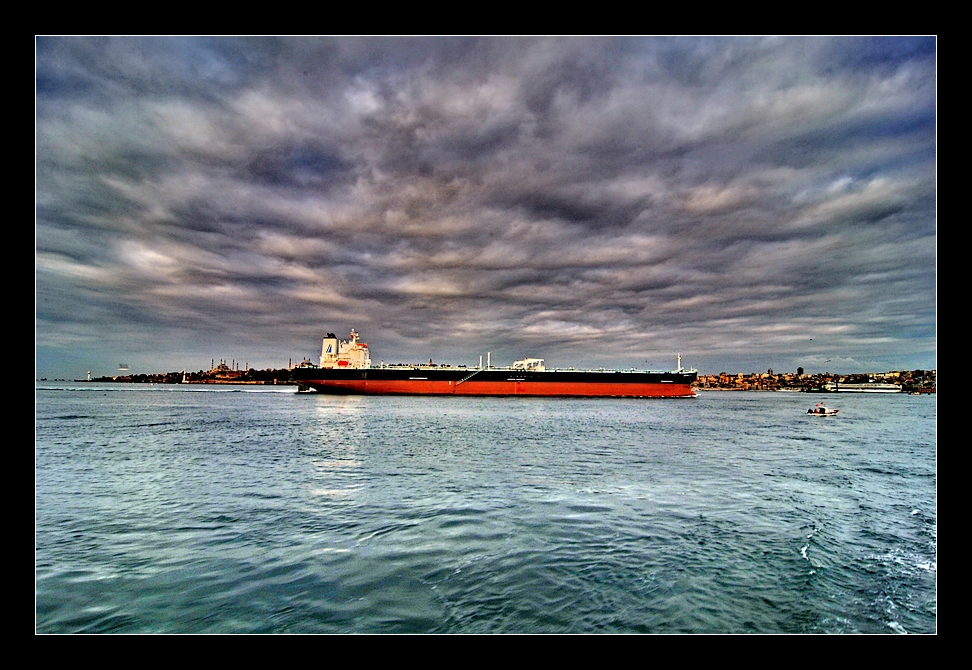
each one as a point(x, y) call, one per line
point(750, 203)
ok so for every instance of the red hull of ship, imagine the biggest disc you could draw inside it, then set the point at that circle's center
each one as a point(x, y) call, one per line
point(502, 388)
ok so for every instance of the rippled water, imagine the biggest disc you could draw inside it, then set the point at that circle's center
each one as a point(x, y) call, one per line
point(193, 509)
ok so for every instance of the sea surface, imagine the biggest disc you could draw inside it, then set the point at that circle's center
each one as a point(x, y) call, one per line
point(234, 509)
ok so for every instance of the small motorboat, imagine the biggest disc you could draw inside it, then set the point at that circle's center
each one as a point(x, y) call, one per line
point(821, 410)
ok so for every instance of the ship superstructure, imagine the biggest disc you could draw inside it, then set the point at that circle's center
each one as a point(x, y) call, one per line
point(349, 354)
point(346, 369)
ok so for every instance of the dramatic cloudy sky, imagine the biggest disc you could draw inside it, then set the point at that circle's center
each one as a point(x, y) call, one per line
point(751, 203)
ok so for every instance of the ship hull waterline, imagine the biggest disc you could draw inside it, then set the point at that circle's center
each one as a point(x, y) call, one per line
point(417, 383)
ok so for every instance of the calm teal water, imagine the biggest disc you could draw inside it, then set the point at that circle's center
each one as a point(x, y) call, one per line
point(191, 509)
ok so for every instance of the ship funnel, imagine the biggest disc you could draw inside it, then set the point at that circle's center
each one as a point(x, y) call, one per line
point(329, 351)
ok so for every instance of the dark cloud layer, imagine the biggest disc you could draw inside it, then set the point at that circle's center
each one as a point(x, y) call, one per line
point(752, 203)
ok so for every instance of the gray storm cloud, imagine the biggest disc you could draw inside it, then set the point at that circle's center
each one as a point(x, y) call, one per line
point(758, 202)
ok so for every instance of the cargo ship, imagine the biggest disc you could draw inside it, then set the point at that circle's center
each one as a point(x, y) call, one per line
point(345, 368)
